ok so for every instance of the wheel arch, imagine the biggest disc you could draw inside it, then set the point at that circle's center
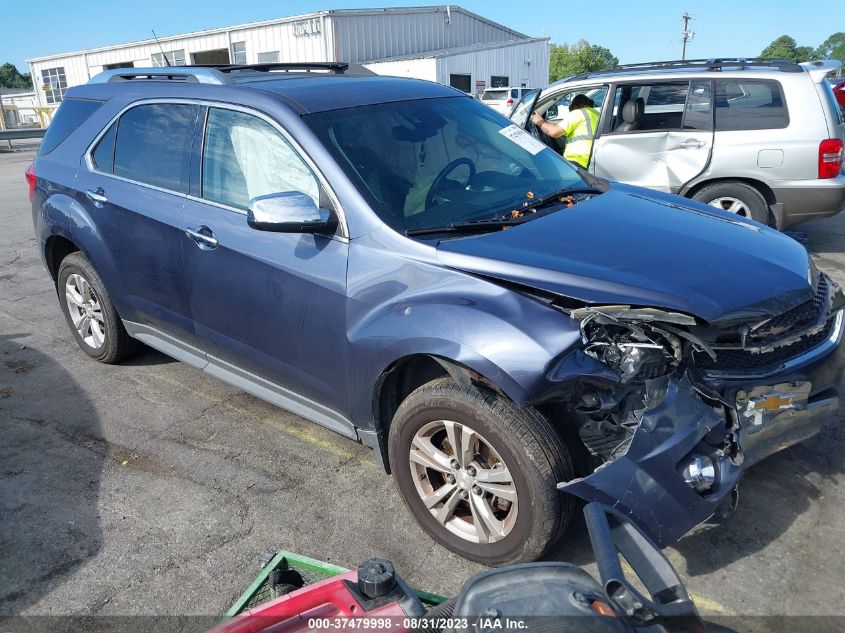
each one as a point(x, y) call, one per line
point(408, 373)
point(762, 188)
point(56, 249)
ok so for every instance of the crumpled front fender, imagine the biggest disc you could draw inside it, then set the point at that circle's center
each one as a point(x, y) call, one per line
point(646, 482)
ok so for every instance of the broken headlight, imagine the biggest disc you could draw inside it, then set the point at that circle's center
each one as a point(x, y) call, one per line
point(631, 341)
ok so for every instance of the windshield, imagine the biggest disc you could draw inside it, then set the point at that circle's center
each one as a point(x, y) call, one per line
point(432, 162)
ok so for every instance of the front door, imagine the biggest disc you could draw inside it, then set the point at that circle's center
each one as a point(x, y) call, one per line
point(134, 191)
point(273, 304)
point(662, 144)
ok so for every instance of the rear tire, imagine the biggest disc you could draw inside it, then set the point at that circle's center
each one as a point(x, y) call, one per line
point(505, 453)
point(90, 313)
point(736, 197)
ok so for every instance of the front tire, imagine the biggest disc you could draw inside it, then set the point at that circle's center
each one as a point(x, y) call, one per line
point(480, 474)
point(89, 312)
point(736, 197)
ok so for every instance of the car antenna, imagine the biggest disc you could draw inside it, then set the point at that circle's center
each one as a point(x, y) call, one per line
point(163, 54)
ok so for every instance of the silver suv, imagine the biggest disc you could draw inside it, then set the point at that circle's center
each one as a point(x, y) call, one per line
point(761, 138)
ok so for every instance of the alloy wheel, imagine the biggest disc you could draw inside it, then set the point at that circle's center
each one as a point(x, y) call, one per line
point(85, 311)
point(731, 205)
point(463, 481)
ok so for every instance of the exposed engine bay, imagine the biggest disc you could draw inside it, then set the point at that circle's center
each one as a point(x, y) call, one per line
point(677, 418)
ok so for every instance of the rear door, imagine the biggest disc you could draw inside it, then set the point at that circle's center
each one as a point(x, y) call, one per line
point(133, 186)
point(669, 146)
point(273, 304)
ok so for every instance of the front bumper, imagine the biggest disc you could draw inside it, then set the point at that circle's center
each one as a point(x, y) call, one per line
point(647, 483)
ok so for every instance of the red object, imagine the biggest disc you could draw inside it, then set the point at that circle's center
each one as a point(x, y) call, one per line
point(327, 599)
point(830, 158)
point(509, 102)
point(839, 93)
point(30, 179)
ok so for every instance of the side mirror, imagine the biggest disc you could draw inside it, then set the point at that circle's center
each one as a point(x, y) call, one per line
point(289, 212)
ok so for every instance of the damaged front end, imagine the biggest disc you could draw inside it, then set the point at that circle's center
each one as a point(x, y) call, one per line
point(668, 440)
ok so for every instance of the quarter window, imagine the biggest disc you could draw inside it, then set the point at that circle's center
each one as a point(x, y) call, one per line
point(749, 105)
point(103, 156)
point(245, 157)
point(174, 58)
point(153, 145)
point(70, 115)
point(54, 83)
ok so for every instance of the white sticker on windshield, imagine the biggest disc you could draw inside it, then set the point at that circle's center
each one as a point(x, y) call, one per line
point(523, 139)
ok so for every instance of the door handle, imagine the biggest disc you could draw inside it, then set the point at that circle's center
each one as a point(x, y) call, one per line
point(98, 196)
point(203, 236)
point(693, 143)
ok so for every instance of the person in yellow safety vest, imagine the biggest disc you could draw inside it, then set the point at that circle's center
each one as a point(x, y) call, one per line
point(579, 126)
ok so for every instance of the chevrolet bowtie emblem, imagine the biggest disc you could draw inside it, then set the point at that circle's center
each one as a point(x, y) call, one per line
point(774, 402)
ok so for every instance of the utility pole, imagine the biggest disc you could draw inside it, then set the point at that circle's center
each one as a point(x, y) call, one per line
point(686, 34)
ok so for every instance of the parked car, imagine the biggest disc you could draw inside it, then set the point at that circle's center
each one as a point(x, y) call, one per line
point(759, 138)
point(838, 86)
point(394, 261)
point(502, 99)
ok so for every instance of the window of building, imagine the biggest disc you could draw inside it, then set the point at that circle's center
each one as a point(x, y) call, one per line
point(499, 81)
point(461, 82)
point(174, 58)
point(239, 53)
point(70, 115)
point(153, 145)
point(749, 105)
point(245, 157)
point(55, 84)
point(269, 57)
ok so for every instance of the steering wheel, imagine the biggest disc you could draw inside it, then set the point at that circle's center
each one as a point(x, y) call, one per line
point(441, 178)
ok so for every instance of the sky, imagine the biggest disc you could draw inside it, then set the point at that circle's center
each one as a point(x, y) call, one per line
point(648, 30)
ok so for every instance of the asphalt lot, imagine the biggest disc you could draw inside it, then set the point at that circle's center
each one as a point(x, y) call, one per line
point(151, 488)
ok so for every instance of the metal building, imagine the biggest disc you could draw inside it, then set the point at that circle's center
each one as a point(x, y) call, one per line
point(445, 43)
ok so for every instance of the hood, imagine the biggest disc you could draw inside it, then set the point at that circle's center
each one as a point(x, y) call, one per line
point(633, 246)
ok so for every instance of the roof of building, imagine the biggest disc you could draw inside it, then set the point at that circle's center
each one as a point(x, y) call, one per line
point(294, 18)
point(458, 50)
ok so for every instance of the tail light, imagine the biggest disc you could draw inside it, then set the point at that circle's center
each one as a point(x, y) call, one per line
point(510, 101)
point(30, 179)
point(830, 158)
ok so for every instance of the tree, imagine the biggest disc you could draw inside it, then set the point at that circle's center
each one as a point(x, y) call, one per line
point(832, 48)
point(11, 78)
point(567, 60)
point(787, 48)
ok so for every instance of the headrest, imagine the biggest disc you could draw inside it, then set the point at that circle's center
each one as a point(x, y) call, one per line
point(632, 111)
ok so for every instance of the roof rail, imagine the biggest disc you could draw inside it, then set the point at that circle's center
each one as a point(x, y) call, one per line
point(713, 64)
point(193, 74)
point(338, 68)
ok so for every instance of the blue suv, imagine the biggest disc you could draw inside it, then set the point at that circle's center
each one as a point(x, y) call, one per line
point(395, 261)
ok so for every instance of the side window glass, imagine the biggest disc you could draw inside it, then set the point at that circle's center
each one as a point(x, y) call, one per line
point(749, 105)
point(698, 114)
point(655, 107)
point(245, 157)
point(103, 155)
point(153, 145)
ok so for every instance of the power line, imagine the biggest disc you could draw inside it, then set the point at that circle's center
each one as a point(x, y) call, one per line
point(686, 34)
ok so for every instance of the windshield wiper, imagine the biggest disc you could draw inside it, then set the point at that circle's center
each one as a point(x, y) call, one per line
point(529, 213)
point(467, 227)
point(560, 193)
